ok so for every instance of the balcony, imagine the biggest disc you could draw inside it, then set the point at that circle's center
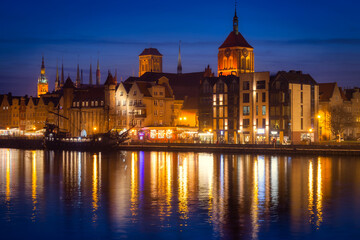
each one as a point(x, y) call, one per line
point(139, 105)
point(140, 115)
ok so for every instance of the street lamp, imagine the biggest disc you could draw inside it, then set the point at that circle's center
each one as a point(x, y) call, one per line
point(319, 134)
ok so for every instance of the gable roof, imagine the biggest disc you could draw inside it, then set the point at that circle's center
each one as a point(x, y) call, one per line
point(295, 77)
point(235, 40)
point(183, 85)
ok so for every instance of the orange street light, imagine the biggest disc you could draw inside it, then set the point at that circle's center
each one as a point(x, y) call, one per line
point(318, 116)
point(310, 130)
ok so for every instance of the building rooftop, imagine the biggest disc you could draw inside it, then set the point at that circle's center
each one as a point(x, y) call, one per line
point(150, 51)
point(235, 40)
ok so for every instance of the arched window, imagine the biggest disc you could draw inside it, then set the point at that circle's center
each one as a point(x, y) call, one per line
point(225, 63)
point(231, 64)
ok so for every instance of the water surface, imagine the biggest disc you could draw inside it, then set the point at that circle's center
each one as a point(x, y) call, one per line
point(167, 195)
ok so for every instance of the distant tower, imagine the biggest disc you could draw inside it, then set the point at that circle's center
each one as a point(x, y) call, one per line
point(62, 75)
point(150, 60)
point(77, 82)
point(235, 55)
point(90, 76)
point(81, 78)
point(57, 80)
point(98, 74)
point(42, 86)
point(179, 67)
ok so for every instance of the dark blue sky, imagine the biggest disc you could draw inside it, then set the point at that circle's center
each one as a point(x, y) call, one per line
point(316, 36)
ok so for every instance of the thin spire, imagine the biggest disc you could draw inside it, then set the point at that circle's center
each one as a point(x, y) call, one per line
point(179, 66)
point(57, 80)
point(98, 73)
point(115, 77)
point(77, 82)
point(42, 66)
point(90, 76)
point(62, 73)
point(235, 22)
point(81, 78)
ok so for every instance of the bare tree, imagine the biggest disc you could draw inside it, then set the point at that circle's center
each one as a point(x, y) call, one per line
point(340, 120)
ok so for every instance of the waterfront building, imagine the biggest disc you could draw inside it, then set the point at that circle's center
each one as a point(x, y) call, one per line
point(294, 100)
point(42, 85)
point(352, 104)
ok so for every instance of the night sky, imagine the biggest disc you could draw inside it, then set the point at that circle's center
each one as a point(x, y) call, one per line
point(316, 36)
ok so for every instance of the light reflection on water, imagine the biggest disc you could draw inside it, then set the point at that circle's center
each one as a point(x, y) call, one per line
point(161, 194)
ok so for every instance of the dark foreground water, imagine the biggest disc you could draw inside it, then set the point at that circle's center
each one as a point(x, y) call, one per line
point(166, 195)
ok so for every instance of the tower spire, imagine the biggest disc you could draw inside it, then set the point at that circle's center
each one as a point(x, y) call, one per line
point(62, 73)
point(90, 76)
point(98, 73)
point(57, 80)
point(179, 66)
point(77, 82)
point(235, 22)
point(43, 66)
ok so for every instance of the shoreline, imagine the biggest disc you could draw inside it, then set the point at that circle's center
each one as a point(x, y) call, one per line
point(315, 149)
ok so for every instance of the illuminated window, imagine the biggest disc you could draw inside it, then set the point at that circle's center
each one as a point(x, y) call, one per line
point(220, 99)
point(246, 110)
point(214, 99)
point(263, 110)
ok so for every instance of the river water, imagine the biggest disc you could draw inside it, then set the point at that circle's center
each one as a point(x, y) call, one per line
point(168, 195)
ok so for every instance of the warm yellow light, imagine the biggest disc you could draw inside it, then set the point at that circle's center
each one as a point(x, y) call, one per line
point(95, 128)
point(180, 119)
point(310, 130)
point(210, 130)
point(34, 128)
point(184, 118)
point(7, 128)
point(318, 116)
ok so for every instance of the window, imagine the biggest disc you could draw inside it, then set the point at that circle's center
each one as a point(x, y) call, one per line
point(301, 111)
point(161, 113)
point(246, 123)
point(161, 103)
point(246, 97)
point(260, 84)
point(263, 110)
point(214, 112)
point(124, 103)
point(82, 104)
point(246, 85)
point(135, 102)
point(155, 93)
point(220, 99)
point(301, 87)
point(130, 103)
point(96, 103)
point(123, 122)
point(214, 99)
point(155, 112)
point(155, 102)
point(121, 93)
point(301, 97)
point(87, 103)
point(263, 97)
point(102, 103)
point(257, 97)
point(161, 93)
point(124, 112)
point(221, 112)
point(135, 92)
point(139, 102)
point(257, 110)
point(92, 103)
point(302, 124)
point(264, 123)
point(246, 110)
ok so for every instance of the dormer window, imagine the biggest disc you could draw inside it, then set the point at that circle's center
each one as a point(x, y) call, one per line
point(161, 93)
point(135, 93)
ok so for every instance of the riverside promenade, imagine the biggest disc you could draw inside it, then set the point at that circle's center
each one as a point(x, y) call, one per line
point(313, 149)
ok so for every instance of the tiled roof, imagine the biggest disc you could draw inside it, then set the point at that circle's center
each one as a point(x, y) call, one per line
point(110, 80)
point(68, 83)
point(150, 51)
point(326, 91)
point(235, 40)
point(90, 94)
point(295, 77)
point(186, 84)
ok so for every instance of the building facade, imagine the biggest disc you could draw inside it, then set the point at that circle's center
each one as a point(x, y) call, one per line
point(294, 100)
point(150, 60)
point(42, 84)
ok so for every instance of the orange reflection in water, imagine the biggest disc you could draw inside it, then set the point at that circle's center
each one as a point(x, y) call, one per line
point(319, 194)
point(34, 184)
point(255, 202)
point(183, 188)
point(8, 169)
point(134, 184)
point(95, 193)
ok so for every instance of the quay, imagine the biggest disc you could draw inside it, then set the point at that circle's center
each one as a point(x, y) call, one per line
point(314, 149)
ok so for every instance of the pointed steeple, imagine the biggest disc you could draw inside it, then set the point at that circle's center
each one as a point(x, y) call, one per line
point(43, 66)
point(81, 78)
point(98, 73)
point(62, 74)
point(179, 66)
point(77, 81)
point(235, 22)
point(90, 76)
point(57, 80)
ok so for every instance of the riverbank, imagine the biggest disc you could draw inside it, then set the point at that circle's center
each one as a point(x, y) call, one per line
point(315, 149)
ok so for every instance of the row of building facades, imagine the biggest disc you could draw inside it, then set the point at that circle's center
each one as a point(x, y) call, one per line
point(237, 106)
